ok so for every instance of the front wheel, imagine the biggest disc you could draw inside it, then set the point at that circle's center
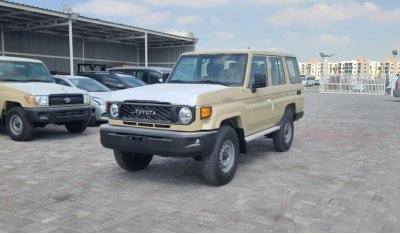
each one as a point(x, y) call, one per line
point(219, 167)
point(76, 127)
point(18, 126)
point(283, 138)
point(132, 161)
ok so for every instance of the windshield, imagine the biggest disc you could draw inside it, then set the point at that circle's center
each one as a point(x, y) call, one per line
point(223, 69)
point(131, 80)
point(24, 72)
point(89, 85)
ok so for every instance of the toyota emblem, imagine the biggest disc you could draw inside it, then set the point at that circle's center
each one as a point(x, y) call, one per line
point(67, 100)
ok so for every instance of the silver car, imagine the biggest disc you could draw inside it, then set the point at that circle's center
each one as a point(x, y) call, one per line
point(99, 93)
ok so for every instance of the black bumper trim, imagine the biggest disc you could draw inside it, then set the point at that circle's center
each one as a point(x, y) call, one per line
point(58, 115)
point(157, 142)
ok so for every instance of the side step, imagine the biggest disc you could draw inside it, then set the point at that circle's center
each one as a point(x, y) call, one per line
point(262, 133)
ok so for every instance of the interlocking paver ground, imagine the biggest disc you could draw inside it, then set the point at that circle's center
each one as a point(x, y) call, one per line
point(342, 174)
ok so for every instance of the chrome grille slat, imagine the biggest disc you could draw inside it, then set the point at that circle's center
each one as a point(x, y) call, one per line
point(146, 113)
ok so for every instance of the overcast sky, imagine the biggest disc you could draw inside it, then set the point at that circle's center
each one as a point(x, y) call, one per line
point(349, 29)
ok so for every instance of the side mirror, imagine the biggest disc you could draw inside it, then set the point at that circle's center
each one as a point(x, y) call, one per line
point(260, 81)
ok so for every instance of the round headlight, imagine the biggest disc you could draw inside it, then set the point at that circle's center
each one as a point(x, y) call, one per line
point(114, 110)
point(185, 115)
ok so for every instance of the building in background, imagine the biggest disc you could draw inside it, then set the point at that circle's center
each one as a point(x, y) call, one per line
point(63, 39)
point(361, 67)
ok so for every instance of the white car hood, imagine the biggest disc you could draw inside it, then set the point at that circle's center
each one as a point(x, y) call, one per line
point(39, 88)
point(177, 94)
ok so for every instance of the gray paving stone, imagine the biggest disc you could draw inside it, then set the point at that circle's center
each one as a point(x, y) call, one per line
point(341, 175)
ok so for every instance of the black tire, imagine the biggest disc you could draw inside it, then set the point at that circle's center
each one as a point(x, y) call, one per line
point(76, 127)
point(283, 138)
point(198, 158)
point(215, 172)
point(18, 126)
point(92, 122)
point(132, 161)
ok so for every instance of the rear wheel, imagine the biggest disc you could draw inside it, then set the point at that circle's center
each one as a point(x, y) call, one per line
point(283, 138)
point(76, 127)
point(132, 161)
point(219, 167)
point(17, 125)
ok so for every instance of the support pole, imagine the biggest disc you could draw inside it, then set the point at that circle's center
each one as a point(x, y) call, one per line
point(71, 48)
point(145, 50)
point(2, 42)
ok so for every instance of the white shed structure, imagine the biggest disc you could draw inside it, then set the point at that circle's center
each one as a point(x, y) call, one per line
point(62, 40)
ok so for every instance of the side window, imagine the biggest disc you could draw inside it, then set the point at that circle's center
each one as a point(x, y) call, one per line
point(142, 75)
point(155, 77)
point(293, 68)
point(61, 82)
point(258, 66)
point(277, 72)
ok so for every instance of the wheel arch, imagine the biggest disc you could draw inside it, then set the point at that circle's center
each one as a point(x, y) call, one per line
point(236, 123)
point(7, 106)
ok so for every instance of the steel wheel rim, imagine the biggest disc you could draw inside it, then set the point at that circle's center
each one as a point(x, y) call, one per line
point(227, 156)
point(16, 125)
point(287, 131)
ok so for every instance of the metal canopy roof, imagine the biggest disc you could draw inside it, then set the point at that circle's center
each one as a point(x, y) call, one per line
point(20, 17)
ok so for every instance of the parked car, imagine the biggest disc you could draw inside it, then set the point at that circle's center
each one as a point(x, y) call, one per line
point(150, 75)
point(396, 88)
point(30, 98)
point(308, 80)
point(100, 94)
point(114, 81)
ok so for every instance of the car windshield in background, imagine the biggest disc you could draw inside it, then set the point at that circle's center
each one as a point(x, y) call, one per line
point(131, 80)
point(89, 85)
point(24, 72)
point(223, 69)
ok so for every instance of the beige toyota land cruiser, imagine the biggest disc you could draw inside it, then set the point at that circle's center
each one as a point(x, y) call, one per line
point(213, 103)
point(29, 98)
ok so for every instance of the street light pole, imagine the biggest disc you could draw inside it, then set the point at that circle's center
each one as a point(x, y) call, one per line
point(394, 52)
point(324, 56)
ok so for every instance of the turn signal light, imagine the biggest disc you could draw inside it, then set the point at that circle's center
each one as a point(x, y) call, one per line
point(205, 112)
point(30, 100)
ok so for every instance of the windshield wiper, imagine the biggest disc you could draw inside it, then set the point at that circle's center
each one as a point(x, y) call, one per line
point(33, 80)
point(177, 81)
point(211, 82)
point(13, 80)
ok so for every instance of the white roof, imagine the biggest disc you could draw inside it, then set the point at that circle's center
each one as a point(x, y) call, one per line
point(17, 59)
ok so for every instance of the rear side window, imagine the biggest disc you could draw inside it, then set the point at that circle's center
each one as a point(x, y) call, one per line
point(293, 69)
point(277, 72)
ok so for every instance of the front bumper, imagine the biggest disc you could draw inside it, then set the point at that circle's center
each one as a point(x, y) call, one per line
point(101, 114)
point(58, 115)
point(157, 142)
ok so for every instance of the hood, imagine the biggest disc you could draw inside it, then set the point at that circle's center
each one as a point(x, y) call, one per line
point(39, 88)
point(177, 94)
point(106, 96)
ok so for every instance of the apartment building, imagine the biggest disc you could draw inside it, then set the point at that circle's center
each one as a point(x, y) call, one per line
point(358, 67)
